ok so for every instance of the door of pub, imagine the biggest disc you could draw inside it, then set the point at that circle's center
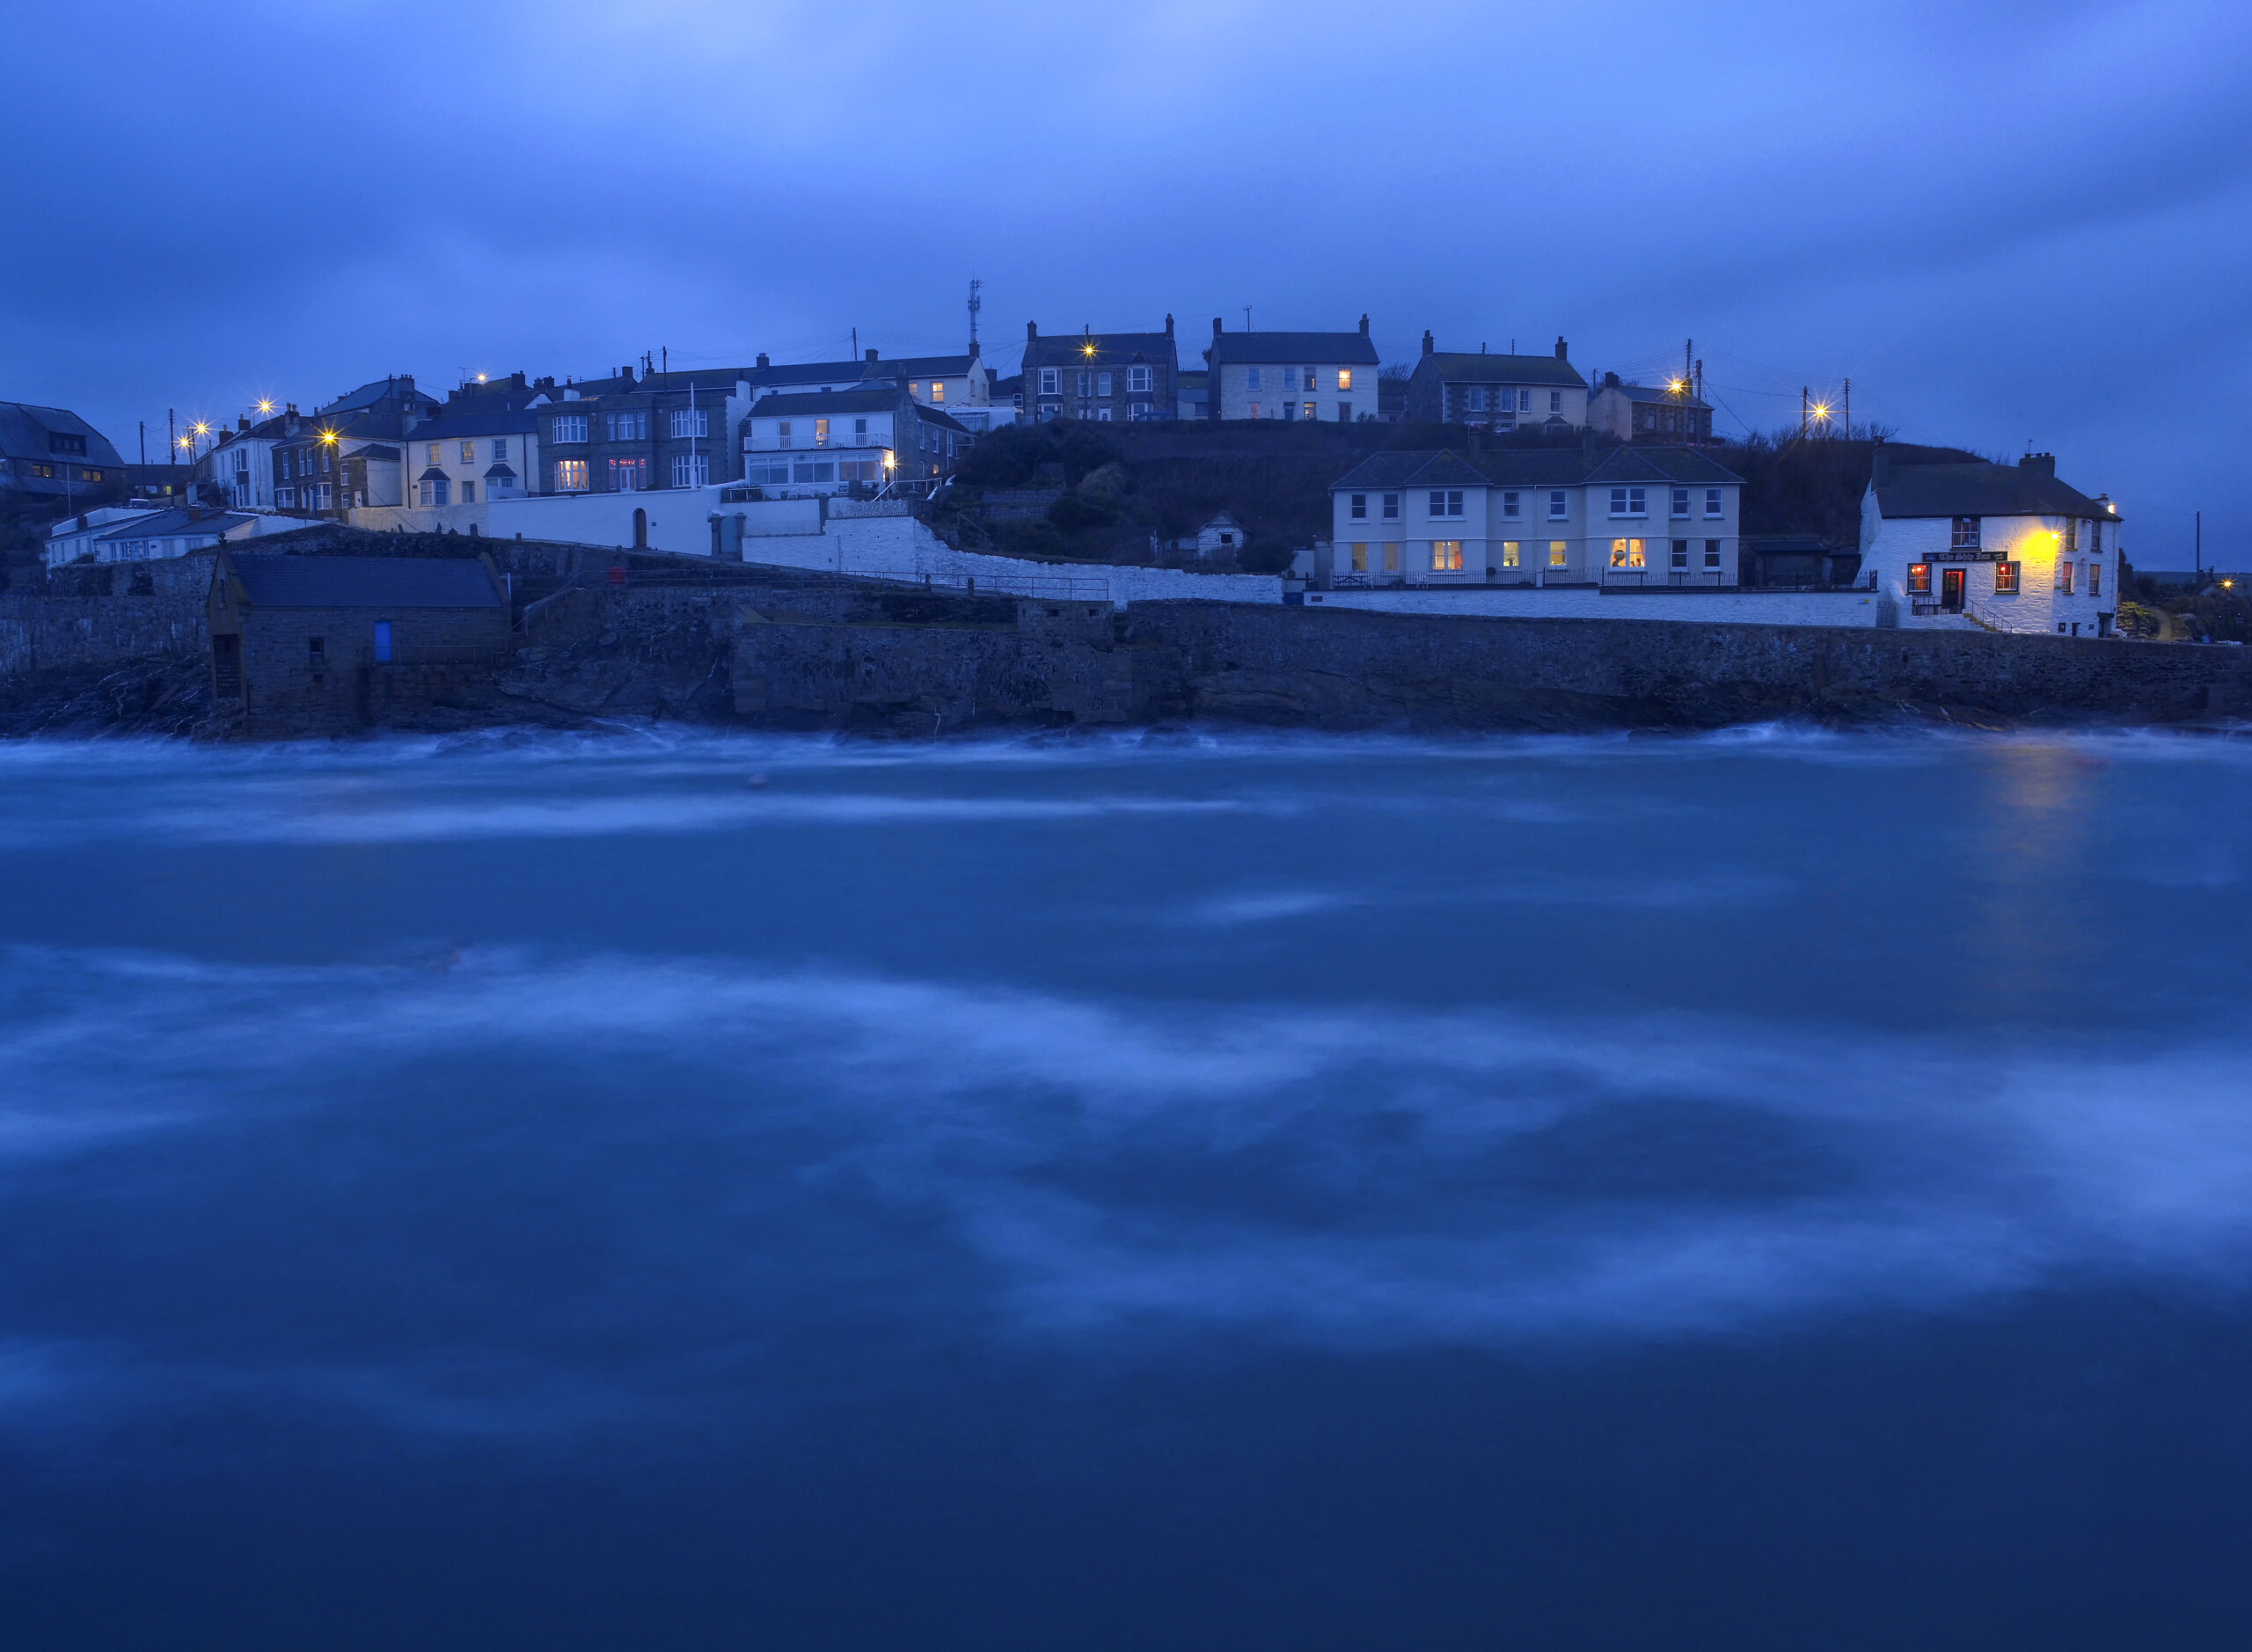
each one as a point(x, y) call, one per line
point(1950, 590)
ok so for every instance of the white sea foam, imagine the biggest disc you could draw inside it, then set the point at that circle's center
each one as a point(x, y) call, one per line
point(1954, 1173)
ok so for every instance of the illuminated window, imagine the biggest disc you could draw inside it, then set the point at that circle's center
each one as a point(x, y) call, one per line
point(1345, 378)
point(1392, 556)
point(1680, 501)
point(938, 391)
point(1359, 507)
point(1557, 507)
point(2064, 579)
point(1919, 579)
point(1305, 412)
point(1966, 534)
point(2006, 579)
point(469, 453)
point(433, 458)
point(913, 388)
point(1628, 553)
point(820, 433)
point(1360, 559)
point(1510, 557)
point(1446, 556)
point(628, 476)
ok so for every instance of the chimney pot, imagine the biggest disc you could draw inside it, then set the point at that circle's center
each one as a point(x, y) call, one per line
point(1560, 356)
point(872, 355)
point(1168, 324)
point(1364, 324)
point(762, 360)
point(1427, 341)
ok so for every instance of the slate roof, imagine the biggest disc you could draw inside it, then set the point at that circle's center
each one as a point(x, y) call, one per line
point(1310, 347)
point(1536, 467)
point(1068, 350)
point(301, 581)
point(478, 424)
point(23, 429)
point(1981, 490)
point(1655, 393)
point(812, 404)
point(925, 366)
point(175, 524)
point(1503, 369)
point(373, 391)
point(809, 373)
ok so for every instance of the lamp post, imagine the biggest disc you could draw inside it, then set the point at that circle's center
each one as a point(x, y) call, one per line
point(333, 462)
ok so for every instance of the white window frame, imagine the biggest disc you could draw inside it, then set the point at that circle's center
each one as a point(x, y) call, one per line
point(1559, 504)
point(1628, 502)
point(1510, 504)
point(1715, 506)
point(1681, 502)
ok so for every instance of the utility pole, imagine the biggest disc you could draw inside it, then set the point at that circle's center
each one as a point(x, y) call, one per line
point(144, 443)
point(1849, 409)
point(1803, 397)
point(2198, 555)
point(1246, 318)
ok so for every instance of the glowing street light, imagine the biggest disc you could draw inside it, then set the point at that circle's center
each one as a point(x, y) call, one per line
point(264, 405)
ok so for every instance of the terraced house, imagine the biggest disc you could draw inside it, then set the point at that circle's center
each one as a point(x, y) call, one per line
point(51, 454)
point(1104, 376)
point(1575, 516)
point(1329, 377)
point(1496, 392)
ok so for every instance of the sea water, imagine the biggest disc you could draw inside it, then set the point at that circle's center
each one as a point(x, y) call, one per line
point(1768, 1190)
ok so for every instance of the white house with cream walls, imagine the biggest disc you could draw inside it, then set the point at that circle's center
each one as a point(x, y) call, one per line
point(463, 458)
point(1655, 517)
point(2005, 547)
point(1328, 377)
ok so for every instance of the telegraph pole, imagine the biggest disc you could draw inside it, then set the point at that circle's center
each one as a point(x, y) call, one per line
point(1849, 409)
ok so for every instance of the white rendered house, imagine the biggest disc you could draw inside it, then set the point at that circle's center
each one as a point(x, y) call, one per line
point(2007, 547)
point(1327, 377)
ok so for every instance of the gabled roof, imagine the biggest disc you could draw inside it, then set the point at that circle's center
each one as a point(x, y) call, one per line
point(377, 451)
point(1655, 393)
point(374, 390)
point(808, 373)
point(1501, 370)
point(177, 523)
point(1981, 490)
point(1070, 349)
point(25, 426)
point(454, 423)
point(302, 582)
point(1536, 467)
point(924, 367)
point(813, 404)
point(1310, 347)
point(720, 380)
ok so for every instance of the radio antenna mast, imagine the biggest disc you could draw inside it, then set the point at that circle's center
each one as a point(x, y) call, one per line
point(976, 304)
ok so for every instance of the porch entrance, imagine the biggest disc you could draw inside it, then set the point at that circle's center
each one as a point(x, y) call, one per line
point(1950, 590)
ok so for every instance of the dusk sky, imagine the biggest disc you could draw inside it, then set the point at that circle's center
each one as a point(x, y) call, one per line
point(2006, 223)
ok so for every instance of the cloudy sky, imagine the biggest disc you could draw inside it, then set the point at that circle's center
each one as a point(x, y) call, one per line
point(2006, 223)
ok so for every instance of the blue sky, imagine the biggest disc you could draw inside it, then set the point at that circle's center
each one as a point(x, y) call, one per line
point(2006, 223)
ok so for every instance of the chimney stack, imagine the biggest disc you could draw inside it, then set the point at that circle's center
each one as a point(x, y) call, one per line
point(1427, 341)
point(1216, 326)
point(2039, 464)
point(1559, 348)
point(762, 360)
point(1031, 330)
point(1364, 324)
point(872, 355)
point(1168, 324)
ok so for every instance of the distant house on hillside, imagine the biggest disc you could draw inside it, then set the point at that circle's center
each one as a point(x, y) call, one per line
point(1329, 377)
point(816, 443)
point(1101, 376)
point(2008, 546)
point(51, 455)
point(1222, 535)
point(1496, 392)
point(1638, 413)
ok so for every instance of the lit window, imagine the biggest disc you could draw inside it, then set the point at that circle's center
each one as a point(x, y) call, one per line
point(1557, 507)
point(1391, 508)
point(1305, 412)
point(1556, 553)
point(1680, 501)
point(2006, 579)
point(469, 453)
point(1360, 508)
point(1919, 579)
point(2064, 579)
point(913, 388)
point(1628, 553)
point(938, 391)
point(820, 433)
point(433, 457)
point(1345, 378)
point(1446, 556)
point(1392, 556)
point(1712, 501)
point(629, 476)
point(1510, 557)
point(1360, 559)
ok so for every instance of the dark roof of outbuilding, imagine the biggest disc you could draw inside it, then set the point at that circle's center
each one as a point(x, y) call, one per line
point(1536, 467)
point(301, 581)
point(1502, 369)
point(1981, 490)
point(1070, 349)
point(1646, 392)
point(175, 523)
point(1310, 347)
point(24, 428)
